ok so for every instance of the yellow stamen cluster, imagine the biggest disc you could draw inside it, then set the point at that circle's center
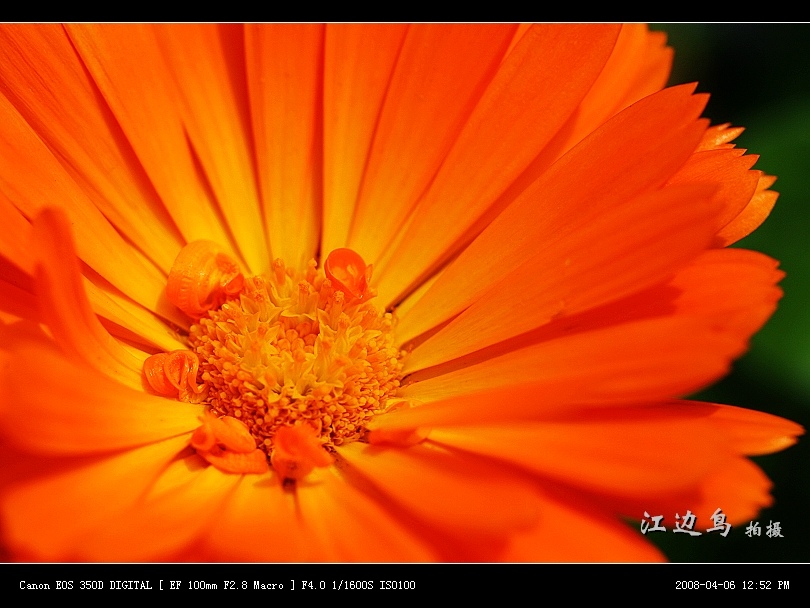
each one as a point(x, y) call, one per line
point(293, 349)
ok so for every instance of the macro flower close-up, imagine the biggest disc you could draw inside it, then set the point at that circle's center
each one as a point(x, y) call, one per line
point(377, 293)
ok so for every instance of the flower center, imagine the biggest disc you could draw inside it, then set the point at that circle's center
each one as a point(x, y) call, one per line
point(305, 351)
point(292, 350)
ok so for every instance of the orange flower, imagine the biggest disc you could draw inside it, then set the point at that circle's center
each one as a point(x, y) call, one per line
point(353, 292)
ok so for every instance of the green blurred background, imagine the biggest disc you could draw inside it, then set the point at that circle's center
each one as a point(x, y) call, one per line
point(758, 76)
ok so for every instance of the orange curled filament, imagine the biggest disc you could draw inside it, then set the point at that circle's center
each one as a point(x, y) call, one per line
point(348, 273)
point(296, 451)
point(202, 278)
point(174, 374)
point(226, 443)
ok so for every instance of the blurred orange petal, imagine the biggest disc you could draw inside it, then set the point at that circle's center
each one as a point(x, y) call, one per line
point(445, 489)
point(46, 519)
point(64, 305)
point(570, 533)
point(339, 515)
point(52, 405)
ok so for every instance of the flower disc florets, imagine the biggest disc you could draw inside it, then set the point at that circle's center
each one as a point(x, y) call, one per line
point(293, 349)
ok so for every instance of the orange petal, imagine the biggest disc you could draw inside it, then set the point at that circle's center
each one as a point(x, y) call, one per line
point(19, 333)
point(338, 515)
point(285, 70)
point(207, 64)
point(733, 289)
point(259, 523)
point(750, 432)
point(17, 302)
point(441, 72)
point(121, 316)
point(727, 291)
point(444, 489)
point(15, 244)
point(729, 170)
point(633, 153)
point(47, 82)
point(546, 74)
point(638, 66)
point(742, 217)
point(139, 325)
point(739, 487)
point(631, 452)
point(612, 172)
point(64, 305)
point(640, 360)
point(156, 527)
point(129, 69)
point(570, 532)
point(735, 485)
point(354, 86)
point(493, 405)
point(53, 405)
point(752, 215)
point(17, 298)
point(48, 518)
point(719, 137)
point(33, 179)
point(633, 246)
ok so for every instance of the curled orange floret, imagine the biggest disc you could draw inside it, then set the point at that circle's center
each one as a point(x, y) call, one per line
point(202, 278)
point(296, 451)
point(227, 444)
point(173, 374)
point(227, 432)
point(348, 273)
